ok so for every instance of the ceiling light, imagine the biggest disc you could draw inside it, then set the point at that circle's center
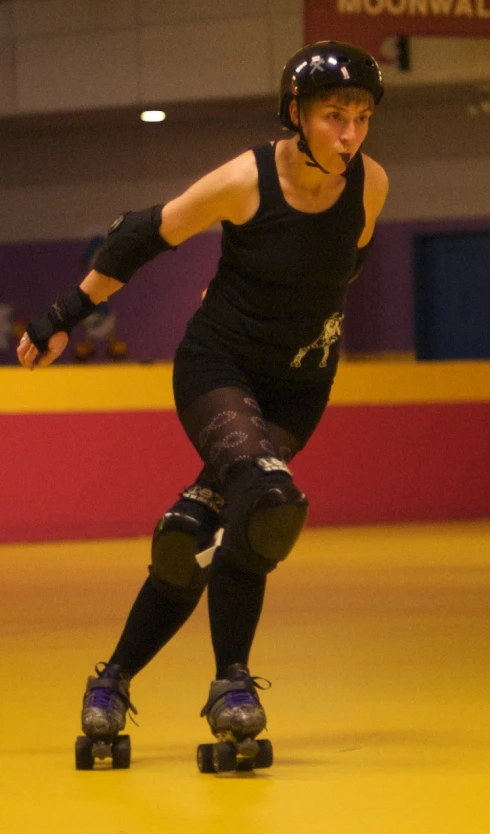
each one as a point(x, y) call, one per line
point(152, 116)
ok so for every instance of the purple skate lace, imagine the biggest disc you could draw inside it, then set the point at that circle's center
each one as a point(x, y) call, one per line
point(230, 698)
point(104, 698)
point(240, 698)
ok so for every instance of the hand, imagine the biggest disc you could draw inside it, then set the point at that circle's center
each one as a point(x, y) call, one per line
point(27, 352)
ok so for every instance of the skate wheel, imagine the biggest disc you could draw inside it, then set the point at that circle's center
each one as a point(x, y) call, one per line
point(224, 757)
point(205, 758)
point(245, 765)
point(121, 752)
point(265, 756)
point(84, 759)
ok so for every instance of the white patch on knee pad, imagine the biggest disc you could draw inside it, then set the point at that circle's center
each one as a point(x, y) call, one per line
point(205, 557)
point(271, 464)
point(206, 496)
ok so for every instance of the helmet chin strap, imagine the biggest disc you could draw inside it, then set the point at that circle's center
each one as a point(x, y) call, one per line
point(303, 147)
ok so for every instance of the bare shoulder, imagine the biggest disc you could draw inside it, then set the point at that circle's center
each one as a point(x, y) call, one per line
point(238, 173)
point(239, 187)
point(375, 192)
point(376, 178)
point(242, 169)
point(227, 192)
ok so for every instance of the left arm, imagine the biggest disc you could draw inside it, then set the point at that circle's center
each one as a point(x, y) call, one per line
point(375, 193)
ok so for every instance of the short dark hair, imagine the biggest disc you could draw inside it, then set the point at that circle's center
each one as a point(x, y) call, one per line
point(346, 95)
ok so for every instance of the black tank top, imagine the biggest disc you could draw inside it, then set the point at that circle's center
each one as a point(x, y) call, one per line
point(277, 301)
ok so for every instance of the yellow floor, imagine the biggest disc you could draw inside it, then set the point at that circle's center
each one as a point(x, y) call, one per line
point(376, 640)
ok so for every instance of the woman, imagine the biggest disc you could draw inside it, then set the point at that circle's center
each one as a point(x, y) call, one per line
point(253, 373)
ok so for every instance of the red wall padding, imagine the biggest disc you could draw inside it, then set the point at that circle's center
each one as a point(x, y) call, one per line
point(75, 476)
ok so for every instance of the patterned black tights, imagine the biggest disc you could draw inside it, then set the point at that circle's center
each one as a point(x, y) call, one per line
point(227, 426)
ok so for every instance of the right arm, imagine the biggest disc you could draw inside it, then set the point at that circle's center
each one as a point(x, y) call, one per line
point(83, 300)
point(228, 193)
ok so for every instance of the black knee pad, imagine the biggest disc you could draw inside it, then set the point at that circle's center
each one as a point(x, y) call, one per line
point(184, 531)
point(265, 514)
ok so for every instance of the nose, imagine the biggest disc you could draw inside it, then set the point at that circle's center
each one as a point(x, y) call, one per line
point(348, 132)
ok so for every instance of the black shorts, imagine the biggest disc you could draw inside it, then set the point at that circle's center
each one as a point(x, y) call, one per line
point(295, 407)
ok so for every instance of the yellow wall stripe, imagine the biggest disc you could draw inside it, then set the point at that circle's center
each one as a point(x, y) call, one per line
point(392, 382)
point(135, 387)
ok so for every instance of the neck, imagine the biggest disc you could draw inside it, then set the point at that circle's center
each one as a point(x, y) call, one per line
point(302, 174)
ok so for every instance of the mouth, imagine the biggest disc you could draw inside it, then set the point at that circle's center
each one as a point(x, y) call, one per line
point(346, 157)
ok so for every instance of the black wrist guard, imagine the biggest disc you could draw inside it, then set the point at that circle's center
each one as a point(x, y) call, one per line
point(132, 240)
point(67, 311)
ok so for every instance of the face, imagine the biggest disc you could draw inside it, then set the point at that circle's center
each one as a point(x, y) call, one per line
point(334, 130)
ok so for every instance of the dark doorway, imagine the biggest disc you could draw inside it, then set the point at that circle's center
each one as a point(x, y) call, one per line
point(452, 296)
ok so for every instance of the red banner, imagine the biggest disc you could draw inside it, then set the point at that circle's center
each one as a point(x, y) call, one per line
point(367, 23)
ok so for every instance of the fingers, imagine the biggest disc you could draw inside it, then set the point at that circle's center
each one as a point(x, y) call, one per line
point(47, 358)
point(56, 346)
point(27, 352)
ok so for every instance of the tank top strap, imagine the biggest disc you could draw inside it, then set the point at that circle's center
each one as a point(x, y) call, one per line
point(269, 186)
point(355, 178)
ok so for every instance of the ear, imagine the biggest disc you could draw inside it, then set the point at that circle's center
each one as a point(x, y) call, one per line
point(294, 112)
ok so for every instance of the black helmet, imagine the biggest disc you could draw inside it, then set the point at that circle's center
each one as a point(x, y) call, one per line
point(327, 64)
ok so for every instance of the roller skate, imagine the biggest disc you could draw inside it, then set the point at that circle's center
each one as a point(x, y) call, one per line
point(105, 704)
point(236, 717)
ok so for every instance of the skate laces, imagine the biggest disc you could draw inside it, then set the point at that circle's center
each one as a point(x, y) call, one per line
point(241, 695)
point(255, 681)
point(242, 674)
point(102, 698)
point(105, 697)
point(246, 697)
point(241, 698)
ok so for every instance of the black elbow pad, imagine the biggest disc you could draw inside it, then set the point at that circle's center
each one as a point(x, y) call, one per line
point(133, 239)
